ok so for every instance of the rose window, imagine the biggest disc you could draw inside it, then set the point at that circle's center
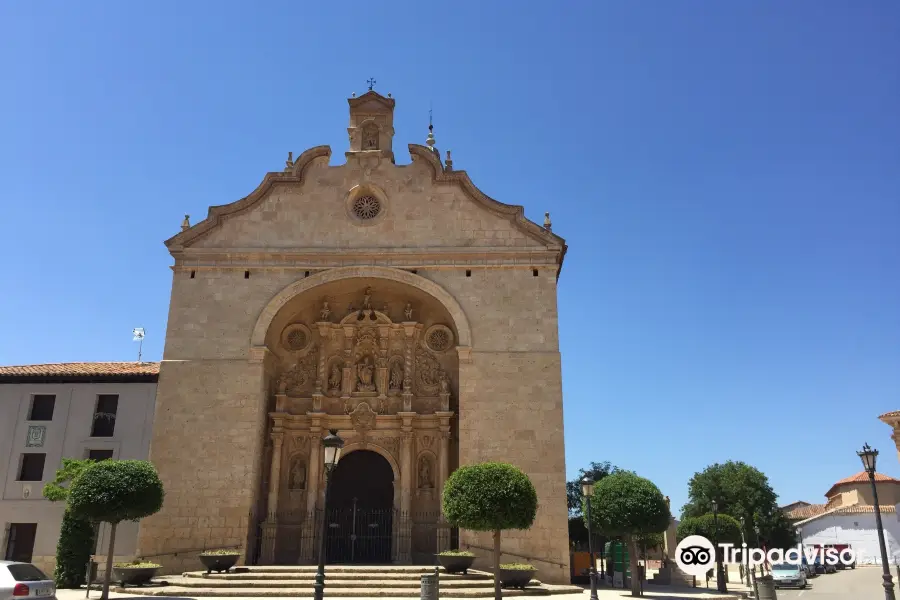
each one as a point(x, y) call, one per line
point(439, 338)
point(366, 207)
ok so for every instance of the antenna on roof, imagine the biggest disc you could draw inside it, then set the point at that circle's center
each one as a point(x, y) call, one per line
point(138, 334)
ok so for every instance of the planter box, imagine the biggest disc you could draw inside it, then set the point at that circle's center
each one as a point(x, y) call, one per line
point(516, 578)
point(219, 562)
point(456, 564)
point(134, 575)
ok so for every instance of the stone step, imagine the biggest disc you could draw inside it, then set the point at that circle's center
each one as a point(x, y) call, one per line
point(309, 575)
point(333, 569)
point(343, 592)
point(335, 581)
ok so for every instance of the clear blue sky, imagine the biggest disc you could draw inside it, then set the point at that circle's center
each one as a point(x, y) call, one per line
point(727, 176)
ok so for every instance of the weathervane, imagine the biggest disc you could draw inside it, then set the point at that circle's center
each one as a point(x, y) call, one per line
point(371, 81)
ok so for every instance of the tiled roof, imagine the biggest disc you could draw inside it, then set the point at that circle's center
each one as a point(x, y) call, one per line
point(861, 477)
point(805, 512)
point(893, 413)
point(81, 371)
point(856, 509)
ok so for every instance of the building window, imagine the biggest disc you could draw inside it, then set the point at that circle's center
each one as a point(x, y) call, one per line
point(42, 407)
point(20, 543)
point(32, 467)
point(105, 415)
point(100, 454)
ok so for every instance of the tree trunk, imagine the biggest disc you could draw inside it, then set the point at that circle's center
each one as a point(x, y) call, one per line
point(633, 565)
point(497, 593)
point(109, 561)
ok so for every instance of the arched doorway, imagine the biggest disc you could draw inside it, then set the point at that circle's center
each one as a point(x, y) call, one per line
point(361, 509)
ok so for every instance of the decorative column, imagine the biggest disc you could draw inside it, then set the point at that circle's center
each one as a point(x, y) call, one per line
point(406, 483)
point(410, 330)
point(277, 437)
point(310, 519)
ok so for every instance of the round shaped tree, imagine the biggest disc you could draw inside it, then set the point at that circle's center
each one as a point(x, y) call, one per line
point(728, 531)
point(113, 491)
point(632, 507)
point(490, 497)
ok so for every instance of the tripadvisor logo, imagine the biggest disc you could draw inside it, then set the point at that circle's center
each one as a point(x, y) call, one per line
point(696, 555)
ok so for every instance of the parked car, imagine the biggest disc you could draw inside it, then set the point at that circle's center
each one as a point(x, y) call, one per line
point(20, 581)
point(788, 575)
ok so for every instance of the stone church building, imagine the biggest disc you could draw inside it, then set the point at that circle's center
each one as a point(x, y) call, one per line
point(396, 304)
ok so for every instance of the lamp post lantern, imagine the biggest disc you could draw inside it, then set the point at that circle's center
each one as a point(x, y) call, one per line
point(720, 572)
point(868, 457)
point(587, 490)
point(333, 445)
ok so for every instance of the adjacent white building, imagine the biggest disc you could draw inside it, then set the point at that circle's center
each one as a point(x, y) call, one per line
point(67, 410)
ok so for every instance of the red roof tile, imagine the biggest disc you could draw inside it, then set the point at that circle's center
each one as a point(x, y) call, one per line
point(80, 371)
point(805, 512)
point(861, 477)
point(893, 413)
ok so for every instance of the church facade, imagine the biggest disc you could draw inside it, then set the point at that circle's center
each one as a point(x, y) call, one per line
point(396, 304)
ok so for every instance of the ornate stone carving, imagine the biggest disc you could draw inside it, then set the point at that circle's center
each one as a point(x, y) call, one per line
point(426, 472)
point(363, 417)
point(426, 441)
point(297, 479)
point(300, 377)
point(390, 443)
point(439, 338)
point(296, 337)
point(325, 312)
point(408, 311)
point(365, 372)
point(428, 373)
point(300, 444)
point(395, 383)
point(370, 137)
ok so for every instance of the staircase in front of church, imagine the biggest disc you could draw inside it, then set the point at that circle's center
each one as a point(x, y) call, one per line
point(345, 581)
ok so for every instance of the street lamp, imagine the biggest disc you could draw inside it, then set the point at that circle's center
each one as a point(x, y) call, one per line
point(720, 572)
point(758, 545)
point(587, 489)
point(746, 553)
point(868, 456)
point(332, 454)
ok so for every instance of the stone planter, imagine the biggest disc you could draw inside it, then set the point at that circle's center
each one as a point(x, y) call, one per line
point(456, 563)
point(516, 578)
point(134, 575)
point(219, 562)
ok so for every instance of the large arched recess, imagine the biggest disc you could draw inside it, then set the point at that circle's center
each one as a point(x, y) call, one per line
point(463, 331)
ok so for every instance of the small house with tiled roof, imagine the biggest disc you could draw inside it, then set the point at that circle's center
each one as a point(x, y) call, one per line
point(49, 412)
point(848, 517)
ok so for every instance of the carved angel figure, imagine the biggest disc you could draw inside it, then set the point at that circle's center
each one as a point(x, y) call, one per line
point(334, 379)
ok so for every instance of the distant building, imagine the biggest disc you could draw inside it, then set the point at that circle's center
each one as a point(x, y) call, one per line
point(848, 517)
point(68, 410)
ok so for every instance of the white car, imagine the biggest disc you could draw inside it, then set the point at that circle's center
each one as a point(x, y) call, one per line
point(788, 575)
point(22, 581)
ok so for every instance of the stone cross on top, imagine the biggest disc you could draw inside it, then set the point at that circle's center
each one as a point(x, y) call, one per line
point(371, 81)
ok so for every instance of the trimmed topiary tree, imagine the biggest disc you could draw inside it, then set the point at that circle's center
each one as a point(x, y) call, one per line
point(632, 507)
point(113, 491)
point(492, 497)
point(729, 531)
point(76, 534)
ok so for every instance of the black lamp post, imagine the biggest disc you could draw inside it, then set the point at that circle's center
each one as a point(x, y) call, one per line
point(868, 456)
point(746, 552)
point(333, 445)
point(720, 573)
point(758, 545)
point(587, 489)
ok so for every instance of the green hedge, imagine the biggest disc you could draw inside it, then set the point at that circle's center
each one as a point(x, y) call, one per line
point(117, 490)
point(73, 551)
point(729, 528)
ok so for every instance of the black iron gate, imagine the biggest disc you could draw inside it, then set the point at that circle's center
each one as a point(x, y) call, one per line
point(359, 535)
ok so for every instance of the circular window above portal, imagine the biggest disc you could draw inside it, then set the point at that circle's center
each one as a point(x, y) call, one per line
point(366, 204)
point(439, 338)
point(366, 207)
point(296, 337)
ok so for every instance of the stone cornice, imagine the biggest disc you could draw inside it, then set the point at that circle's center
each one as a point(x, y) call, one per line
point(437, 257)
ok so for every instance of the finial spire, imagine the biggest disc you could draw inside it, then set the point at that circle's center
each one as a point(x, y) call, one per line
point(289, 163)
point(186, 224)
point(547, 224)
point(430, 140)
point(371, 81)
point(448, 164)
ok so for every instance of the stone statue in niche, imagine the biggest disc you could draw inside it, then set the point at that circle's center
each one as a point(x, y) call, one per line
point(445, 383)
point(396, 381)
point(370, 138)
point(425, 480)
point(334, 379)
point(365, 373)
point(298, 475)
point(407, 312)
point(325, 312)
